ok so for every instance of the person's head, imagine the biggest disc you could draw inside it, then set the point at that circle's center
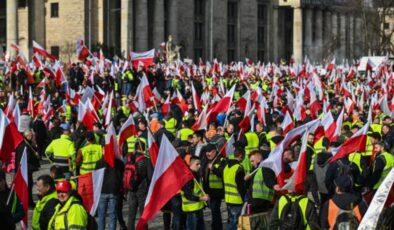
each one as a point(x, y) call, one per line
point(45, 184)
point(198, 136)
point(28, 135)
point(90, 137)
point(239, 153)
point(195, 164)
point(354, 129)
point(379, 147)
point(259, 127)
point(3, 183)
point(66, 132)
point(220, 131)
point(343, 183)
point(210, 151)
point(288, 155)
point(142, 124)
point(311, 138)
point(255, 158)
point(385, 129)
point(160, 124)
point(64, 190)
point(387, 120)
point(96, 127)
point(375, 137)
point(230, 129)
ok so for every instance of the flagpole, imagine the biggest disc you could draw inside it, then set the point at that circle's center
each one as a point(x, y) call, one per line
point(9, 196)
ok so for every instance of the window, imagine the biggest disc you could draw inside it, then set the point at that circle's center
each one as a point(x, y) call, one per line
point(232, 15)
point(261, 30)
point(54, 10)
point(22, 3)
point(386, 25)
point(198, 31)
point(199, 27)
point(55, 51)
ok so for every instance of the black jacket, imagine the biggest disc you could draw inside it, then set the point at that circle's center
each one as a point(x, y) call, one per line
point(260, 205)
point(113, 177)
point(47, 212)
point(33, 162)
point(159, 134)
point(213, 193)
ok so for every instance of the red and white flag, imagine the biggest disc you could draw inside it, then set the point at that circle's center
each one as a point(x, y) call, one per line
point(108, 115)
point(201, 122)
point(145, 57)
point(247, 121)
point(127, 130)
point(196, 99)
point(41, 51)
point(244, 102)
point(82, 50)
point(338, 125)
point(153, 148)
point(165, 108)
point(331, 66)
point(222, 106)
point(349, 105)
point(89, 188)
point(329, 125)
point(169, 176)
point(16, 114)
point(370, 65)
point(287, 123)
point(297, 180)
point(87, 115)
point(356, 143)
point(227, 149)
point(10, 138)
point(111, 149)
point(10, 105)
point(21, 186)
point(30, 103)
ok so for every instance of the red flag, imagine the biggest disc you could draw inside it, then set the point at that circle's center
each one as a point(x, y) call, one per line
point(89, 187)
point(30, 104)
point(196, 99)
point(153, 148)
point(356, 143)
point(244, 101)
point(165, 108)
point(82, 50)
point(87, 115)
point(145, 57)
point(10, 138)
point(21, 186)
point(247, 120)
point(287, 123)
point(331, 66)
point(111, 149)
point(127, 130)
point(169, 176)
point(201, 123)
point(41, 51)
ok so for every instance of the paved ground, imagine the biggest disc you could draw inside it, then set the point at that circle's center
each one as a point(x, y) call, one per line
point(156, 223)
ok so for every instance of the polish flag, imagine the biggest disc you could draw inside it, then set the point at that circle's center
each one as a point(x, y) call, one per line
point(10, 138)
point(356, 143)
point(165, 108)
point(14, 46)
point(87, 115)
point(82, 50)
point(145, 57)
point(244, 102)
point(108, 115)
point(10, 105)
point(111, 149)
point(222, 106)
point(275, 159)
point(30, 103)
point(59, 75)
point(287, 123)
point(37, 61)
point(370, 65)
point(338, 125)
point(349, 104)
point(156, 94)
point(297, 180)
point(314, 105)
point(153, 148)
point(329, 125)
point(127, 130)
point(89, 188)
point(169, 176)
point(16, 114)
point(247, 120)
point(201, 122)
point(20, 184)
point(331, 66)
point(227, 149)
point(41, 51)
point(196, 99)
point(178, 99)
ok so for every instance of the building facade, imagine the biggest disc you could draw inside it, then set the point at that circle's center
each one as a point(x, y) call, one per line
point(229, 30)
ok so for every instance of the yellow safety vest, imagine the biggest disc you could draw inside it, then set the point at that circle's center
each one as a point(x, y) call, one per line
point(311, 167)
point(131, 141)
point(389, 159)
point(184, 133)
point(62, 149)
point(191, 206)
point(302, 202)
point(90, 155)
point(253, 142)
point(72, 215)
point(231, 193)
point(259, 189)
point(215, 182)
point(170, 125)
point(376, 128)
point(40, 205)
point(318, 146)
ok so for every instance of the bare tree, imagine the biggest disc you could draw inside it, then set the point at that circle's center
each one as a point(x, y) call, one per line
point(68, 51)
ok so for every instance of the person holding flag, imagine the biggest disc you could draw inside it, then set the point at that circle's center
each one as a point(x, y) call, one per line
point(382, 165)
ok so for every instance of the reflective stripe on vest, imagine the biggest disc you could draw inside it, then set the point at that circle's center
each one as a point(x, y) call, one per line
point(191, 206)
point(260, 189)
point(231, 193)
point(214, 182)
point(40, 205)
point(303, 203)
point(333, 212)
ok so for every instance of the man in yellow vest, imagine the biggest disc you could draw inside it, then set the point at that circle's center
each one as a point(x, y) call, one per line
point(234, 187)
point(69, 213)
point(89, 155)
point(381, 166)
point(193, 198)
point(261, 185)
point(62, 151)
point(45, 207)
point(184, 133)
point(213, 183)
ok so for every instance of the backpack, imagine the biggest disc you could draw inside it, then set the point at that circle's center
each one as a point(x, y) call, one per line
point(130, 175)
point(291, 217)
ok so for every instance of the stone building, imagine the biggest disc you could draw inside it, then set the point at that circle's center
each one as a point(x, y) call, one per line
point(266, 30)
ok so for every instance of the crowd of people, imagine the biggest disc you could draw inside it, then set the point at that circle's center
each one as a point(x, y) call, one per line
point(224, 152)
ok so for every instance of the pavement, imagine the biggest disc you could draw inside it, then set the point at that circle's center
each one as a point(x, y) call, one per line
point(156, 223)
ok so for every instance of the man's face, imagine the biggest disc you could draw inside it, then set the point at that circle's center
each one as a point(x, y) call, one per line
point(41, 188)
point(288, 156)
point(311, 139)
point(63, 197)
point(195, 165)
point(385, 129)
point(259, 128)
point(141, 126)
point(211, 154)
point(378, 149)
point(255, 159)
point(196, 139)
point(230, 129)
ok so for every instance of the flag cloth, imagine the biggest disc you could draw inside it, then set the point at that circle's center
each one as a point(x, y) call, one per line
point(152, 148)
point(287, 123)
point(111, 149)
point(127, 130)
point(145, 57)
point(21, 186)
point(10, 138)
point(89, 187)
point(201, 122)
point(41, 51)
point(222, 106)
point(356, 143)
point(227, 148)
point(169, 176)
point(371, 217)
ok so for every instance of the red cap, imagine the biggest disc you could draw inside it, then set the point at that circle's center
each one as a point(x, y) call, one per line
point(63, 186)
